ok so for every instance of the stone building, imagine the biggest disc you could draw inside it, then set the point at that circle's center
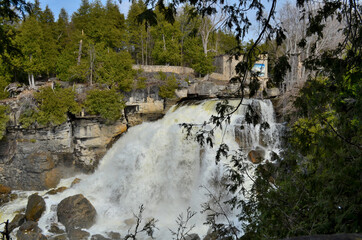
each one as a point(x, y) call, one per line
point(225, 67)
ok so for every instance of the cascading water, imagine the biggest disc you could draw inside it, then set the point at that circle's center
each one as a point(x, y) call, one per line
point(155, 165)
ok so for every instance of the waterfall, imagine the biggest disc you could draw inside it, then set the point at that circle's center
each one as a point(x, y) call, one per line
point(155, 165)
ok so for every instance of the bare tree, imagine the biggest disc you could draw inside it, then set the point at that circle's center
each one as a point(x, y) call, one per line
point(294, 21)
point(210, 24)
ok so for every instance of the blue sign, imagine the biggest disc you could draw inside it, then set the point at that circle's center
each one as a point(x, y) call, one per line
point(259, 69)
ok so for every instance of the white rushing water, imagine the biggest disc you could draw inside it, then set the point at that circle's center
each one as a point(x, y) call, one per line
point(154, 165)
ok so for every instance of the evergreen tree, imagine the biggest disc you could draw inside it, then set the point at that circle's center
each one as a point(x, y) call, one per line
point(62, 30)
point(166, 36)
point(30, 41)
point(137, 34)
point(195, 56)
point(114, 69)
point(114, 27)
point(48, 42)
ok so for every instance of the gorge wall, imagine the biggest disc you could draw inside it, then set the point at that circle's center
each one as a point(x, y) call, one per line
point(36, 159)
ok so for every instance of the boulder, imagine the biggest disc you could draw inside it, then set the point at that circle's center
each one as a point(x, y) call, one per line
point(17, 221)
point(30, 231)
point(54, 228)
point(4, 189)
point(256, 156)
point(272, 92)
point(78, 234)
point(76, 212)
point(35, 207)
point(114, 235)
point(4, 198)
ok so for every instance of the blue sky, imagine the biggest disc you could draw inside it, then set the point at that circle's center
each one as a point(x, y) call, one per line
point(72, 5)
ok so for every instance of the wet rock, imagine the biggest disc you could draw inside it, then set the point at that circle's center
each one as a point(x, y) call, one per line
point(192, 236)
point(78, 234)
point(54, 228)
point(256, 156)
point(56, 191)
point(99, 237)
point(274, 156)
point(17, 221)
point(75, 181)
point(35, 207)
point(6, 195)
point(76, 211)
point(30, 231)
point(114, 235)
point(4, 189)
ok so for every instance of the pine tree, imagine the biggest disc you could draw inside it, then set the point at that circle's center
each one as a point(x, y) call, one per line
point(48, 42)
point(137, 42)
point(30, 41)
point(167, 37)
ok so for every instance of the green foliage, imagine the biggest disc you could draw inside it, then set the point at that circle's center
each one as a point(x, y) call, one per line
point(316, 188)
point(30, 42)
point(28, 117)
point(4, 118)
point(115, 69)
point(168, 87)
point(106, 103)
point(166, 37)
point(53, 107)
point(137, 33)
point(5, 79)
point(141, 83)
point(195, 57)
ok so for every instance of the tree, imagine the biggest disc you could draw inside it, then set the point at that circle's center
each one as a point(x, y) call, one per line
point(62, 29)
point(195, 57)
point(30, 42)
point(115, 32)
point(9, 12)
point(137, 32)
point(106, 103)
point(168, 86)
point(115, 69)
point(295, 24)
point(48, 42)
point(208, 25)
point(166, 49)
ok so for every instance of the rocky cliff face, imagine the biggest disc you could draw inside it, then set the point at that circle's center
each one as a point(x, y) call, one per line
point(36, 159)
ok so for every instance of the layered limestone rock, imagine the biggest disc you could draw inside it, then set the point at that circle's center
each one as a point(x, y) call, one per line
point(36, 159)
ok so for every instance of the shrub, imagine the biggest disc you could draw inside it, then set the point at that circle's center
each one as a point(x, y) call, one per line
point(141, 83)
point(106, 103)
point(53, 107)
point(168, 87)
point(4, 118)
